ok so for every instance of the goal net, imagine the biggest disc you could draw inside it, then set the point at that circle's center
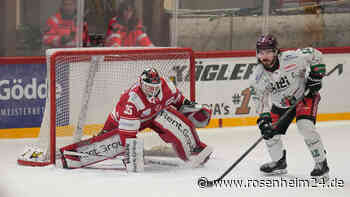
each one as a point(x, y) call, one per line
point(85, 84)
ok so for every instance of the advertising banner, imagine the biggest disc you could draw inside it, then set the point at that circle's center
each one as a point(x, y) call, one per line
point(222, 84)
point(22, 95)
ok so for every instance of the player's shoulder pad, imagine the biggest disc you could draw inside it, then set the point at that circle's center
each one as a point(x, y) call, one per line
point(170, 84)
point(135, 99)
point(307, 51)
point(310, 54)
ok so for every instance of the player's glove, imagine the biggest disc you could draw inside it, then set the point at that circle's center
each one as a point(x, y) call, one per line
point(265, 125)
point(199, 115)
point(188, 102)
point(314, 80)
point(314, 84)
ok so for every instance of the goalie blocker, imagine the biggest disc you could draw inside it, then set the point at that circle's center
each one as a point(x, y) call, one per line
point(172, 127)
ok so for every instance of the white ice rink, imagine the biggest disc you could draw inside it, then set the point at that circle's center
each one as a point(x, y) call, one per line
point(229, 145)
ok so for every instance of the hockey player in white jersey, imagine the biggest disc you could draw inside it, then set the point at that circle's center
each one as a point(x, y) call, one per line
point(280, 79)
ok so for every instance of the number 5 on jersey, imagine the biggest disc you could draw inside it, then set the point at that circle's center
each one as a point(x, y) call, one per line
point(128, 109)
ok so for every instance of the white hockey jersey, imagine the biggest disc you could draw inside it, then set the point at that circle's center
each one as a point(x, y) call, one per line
point(270, 88)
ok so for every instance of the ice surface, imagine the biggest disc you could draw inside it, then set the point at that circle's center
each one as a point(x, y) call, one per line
point(229, 144)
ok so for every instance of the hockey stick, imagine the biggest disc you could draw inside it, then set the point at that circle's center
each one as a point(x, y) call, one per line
point(210, 183)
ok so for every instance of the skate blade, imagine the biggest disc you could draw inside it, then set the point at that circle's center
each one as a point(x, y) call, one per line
point(321, 179)
point(276, 172)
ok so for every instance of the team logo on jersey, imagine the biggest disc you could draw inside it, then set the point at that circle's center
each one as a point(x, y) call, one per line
point(279, 85)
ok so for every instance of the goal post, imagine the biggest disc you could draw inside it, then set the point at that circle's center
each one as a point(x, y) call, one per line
point(84, 84)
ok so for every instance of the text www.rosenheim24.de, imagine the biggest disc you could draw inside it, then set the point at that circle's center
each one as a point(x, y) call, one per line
point(278, 182)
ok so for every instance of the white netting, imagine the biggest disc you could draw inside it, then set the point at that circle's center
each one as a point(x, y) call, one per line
point(90, 81)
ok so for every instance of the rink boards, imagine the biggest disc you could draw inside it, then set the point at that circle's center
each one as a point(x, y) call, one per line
point(222, 81)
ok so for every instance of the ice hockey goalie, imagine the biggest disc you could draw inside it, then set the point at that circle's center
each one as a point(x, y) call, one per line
point(152, 102)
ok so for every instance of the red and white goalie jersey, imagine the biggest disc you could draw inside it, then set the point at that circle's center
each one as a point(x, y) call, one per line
point(135, 111)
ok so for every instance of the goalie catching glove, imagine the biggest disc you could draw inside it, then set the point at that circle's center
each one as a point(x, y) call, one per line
point(198, 114)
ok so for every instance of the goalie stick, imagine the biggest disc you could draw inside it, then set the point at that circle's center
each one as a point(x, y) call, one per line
point(211, 183)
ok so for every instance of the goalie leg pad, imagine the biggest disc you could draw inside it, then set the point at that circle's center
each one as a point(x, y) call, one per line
point(173, 127)
point(92, 150)
point(134, 155)
point(201, 158)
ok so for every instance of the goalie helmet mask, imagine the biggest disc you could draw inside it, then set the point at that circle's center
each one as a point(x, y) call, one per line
point(267, 45)
point(150, 82)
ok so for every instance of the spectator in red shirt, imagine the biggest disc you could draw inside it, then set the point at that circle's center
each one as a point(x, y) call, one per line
point(62, 27)
point(126, 29)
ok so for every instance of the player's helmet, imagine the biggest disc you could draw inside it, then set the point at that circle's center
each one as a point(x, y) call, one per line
point(150, 82)
point(267, 41)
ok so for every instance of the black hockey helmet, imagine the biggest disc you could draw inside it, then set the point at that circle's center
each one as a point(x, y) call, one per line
point(150, 82)
point(267, 41)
